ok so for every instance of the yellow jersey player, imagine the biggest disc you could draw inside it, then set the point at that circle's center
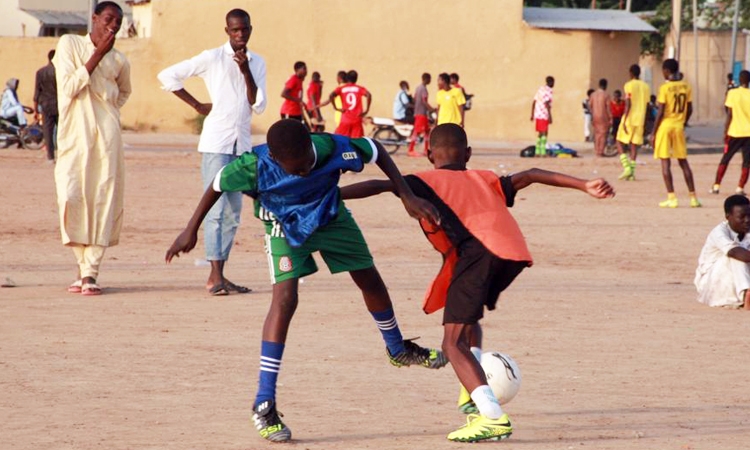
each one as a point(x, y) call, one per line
point(675, 107)
point(736, 133)
point(633, 121)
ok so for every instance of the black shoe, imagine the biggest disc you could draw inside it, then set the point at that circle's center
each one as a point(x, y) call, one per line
point(413, 354)
point(268, 422)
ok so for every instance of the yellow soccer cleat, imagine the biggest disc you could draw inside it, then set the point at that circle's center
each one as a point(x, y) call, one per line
point(626, 174)
point(695, 203)
point(465, 404)
point(669, 203)
point(480, 428)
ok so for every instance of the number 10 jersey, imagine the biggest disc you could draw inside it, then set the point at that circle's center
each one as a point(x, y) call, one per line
point(675, 95)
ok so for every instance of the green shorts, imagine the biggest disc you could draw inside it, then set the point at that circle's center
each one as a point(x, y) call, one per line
point(340, 243)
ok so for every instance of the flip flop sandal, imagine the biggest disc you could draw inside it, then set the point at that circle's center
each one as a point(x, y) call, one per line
point(231, 287)
point(91, 289)
point(218, 290)
point(75, 288)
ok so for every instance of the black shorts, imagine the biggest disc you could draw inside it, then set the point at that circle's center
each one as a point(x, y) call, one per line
point(478, 279)
point(733, 146)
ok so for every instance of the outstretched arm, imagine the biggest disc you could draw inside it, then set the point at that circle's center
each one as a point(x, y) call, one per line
point(189, 236)
point(598, 188)
point(417, 208)
point(365, 189)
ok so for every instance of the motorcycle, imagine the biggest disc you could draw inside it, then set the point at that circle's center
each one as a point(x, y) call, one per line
point(30, 137)
point(391, 134)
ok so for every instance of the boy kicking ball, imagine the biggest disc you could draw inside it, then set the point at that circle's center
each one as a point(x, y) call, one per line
point(294, 181)
point(483, 251)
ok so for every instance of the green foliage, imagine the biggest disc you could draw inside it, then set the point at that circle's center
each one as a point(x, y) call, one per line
point(636, 5)
point(712, 14)
point(653, 43)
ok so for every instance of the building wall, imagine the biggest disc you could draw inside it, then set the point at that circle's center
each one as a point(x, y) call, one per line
point(714, 48)
point(14, 22)
point(612, 54)
point(57, 5)
point(143, 19)
point(500, 59)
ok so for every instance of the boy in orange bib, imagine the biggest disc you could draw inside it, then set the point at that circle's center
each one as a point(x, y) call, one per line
point(483, 251)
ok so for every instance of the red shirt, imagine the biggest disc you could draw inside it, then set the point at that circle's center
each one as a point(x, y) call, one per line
point(617, 109)
point(314, 91)
point(351, 101)
point(294, 84)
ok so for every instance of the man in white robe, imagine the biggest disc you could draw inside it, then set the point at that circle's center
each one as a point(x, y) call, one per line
point(723, 273)
point(93, 83)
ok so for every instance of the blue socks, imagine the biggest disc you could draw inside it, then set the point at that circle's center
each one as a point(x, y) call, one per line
point(271, 352)
point(386, 322)
point(270, 364)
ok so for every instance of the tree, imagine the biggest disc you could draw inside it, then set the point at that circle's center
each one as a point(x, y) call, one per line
point(636, 5)
point(712, 15)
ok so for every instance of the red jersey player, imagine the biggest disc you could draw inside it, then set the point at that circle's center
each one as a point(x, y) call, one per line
point(351, 106)
point(314, 94)
point(292, 93)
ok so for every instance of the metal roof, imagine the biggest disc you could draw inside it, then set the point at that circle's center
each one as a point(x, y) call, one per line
point(585, 19)
point(60, 18)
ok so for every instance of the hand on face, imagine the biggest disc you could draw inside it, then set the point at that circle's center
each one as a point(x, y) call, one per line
point(240, 57)
point(105, 26)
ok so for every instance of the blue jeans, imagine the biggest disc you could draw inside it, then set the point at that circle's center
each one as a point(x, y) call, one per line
point(222, 220)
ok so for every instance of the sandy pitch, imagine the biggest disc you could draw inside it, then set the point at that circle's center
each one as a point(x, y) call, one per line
point(615, 351)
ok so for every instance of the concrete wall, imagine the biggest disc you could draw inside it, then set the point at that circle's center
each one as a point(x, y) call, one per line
point(143, 19)
point(612, 54)
point(500, 59)
point(714, 48)
point(14, 22)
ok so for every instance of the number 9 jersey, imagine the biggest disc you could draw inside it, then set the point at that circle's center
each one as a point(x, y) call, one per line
point(675, 95)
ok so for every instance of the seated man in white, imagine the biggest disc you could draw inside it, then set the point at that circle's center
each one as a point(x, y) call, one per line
point(723, 274)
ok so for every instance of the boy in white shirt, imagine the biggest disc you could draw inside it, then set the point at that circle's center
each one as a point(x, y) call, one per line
point(723, 273)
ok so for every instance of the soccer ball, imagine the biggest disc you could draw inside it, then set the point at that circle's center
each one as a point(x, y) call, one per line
point(503, 375)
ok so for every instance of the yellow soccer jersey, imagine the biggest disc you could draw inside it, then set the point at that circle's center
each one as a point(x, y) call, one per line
point(638, 92)
point(449, 102)
point(739, 100)
point(675, 95)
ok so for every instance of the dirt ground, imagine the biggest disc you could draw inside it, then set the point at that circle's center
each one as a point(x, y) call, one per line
point(615, 351)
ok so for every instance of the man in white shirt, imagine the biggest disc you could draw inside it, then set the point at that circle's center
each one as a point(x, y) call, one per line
point(236, 81)
point(723, 273)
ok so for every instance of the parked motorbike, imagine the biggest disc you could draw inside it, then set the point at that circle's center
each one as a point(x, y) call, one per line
point(30, 137)
point(391, 134)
